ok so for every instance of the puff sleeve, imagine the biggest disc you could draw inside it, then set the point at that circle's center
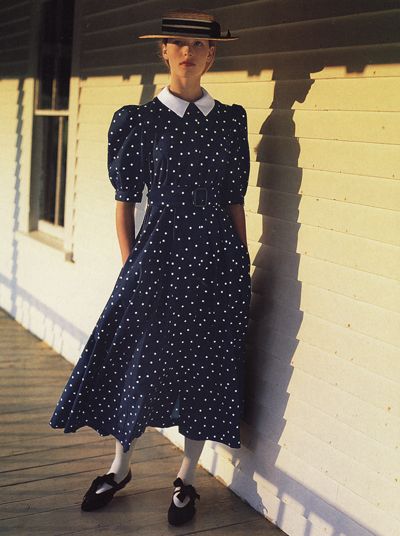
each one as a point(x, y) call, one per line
point(236, 176)
point(126, 160)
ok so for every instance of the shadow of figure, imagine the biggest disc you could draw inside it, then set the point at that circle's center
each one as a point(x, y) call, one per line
point(276, 303)
point(275, 317)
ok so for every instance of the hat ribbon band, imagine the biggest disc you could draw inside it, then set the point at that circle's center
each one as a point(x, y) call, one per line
point(184, 22)
point(203, 29)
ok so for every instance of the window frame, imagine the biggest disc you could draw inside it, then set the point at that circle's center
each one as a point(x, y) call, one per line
point(60, 237)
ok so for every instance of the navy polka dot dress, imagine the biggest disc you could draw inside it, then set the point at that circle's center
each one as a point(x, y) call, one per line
point(168, 348)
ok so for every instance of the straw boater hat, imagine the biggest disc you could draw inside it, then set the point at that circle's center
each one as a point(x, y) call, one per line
point(190, 24)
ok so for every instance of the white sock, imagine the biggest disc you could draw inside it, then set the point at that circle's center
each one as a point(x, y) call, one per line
point(187, 472)
point(121, 464)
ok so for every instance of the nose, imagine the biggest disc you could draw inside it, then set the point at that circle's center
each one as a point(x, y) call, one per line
point(187, 49)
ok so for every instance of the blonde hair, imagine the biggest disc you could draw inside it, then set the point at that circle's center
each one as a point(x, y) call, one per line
point(203, 15)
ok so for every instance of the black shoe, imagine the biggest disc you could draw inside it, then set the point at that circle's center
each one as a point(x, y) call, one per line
point(93, 500)
point(179, 515)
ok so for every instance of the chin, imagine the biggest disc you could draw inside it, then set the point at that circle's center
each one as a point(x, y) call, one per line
point(189, 75)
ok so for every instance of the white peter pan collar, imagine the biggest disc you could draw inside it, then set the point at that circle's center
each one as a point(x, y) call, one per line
point(205, 103)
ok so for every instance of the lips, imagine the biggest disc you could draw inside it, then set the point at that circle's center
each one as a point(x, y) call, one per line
point(186, 63)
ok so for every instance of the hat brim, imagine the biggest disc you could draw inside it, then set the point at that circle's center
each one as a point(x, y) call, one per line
point(162, 36)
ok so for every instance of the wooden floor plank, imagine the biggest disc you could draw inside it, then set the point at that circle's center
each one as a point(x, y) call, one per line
point(44, 472)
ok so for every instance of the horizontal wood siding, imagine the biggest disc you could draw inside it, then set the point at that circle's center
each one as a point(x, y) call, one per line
point(16, 19)
point(15, 133)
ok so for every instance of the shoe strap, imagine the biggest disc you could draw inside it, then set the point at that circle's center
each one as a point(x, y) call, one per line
point(107, 478)
point(186, 490)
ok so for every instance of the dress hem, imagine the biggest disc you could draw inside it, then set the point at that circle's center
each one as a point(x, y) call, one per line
point(103, 432)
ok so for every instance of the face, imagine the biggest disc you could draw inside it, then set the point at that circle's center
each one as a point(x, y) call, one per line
point(188, 57)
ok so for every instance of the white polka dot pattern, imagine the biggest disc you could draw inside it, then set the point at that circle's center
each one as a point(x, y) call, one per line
point(169, 346)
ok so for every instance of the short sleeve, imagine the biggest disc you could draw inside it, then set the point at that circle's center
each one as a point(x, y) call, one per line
point(236, 176)
point(126, 154)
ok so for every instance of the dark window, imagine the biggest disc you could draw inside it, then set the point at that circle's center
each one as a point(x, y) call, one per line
point(50, 122)
point(55, 51)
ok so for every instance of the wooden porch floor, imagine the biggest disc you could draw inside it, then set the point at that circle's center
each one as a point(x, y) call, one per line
point(45, 472)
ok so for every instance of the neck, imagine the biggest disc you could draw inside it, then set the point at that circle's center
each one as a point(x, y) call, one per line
point(187, 89)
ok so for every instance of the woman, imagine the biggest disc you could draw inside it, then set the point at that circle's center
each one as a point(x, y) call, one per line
point(168, 348)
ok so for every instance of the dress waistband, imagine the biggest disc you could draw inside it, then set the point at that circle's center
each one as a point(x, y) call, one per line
point(177, 196)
